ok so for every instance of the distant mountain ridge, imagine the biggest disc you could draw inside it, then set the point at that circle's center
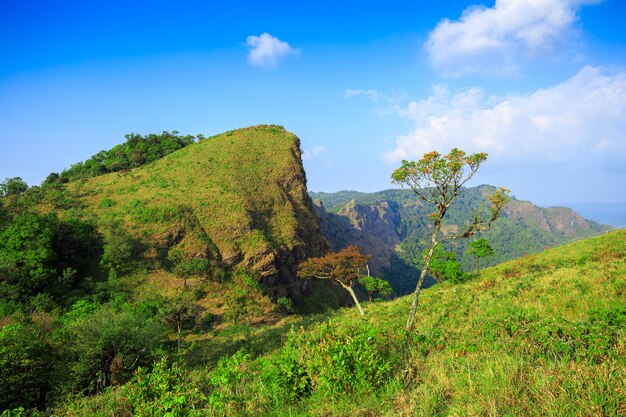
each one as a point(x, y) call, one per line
point(613, 214)
point(392, 225)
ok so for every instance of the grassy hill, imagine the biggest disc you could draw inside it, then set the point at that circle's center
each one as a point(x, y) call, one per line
point(543, 335)
point(104, 269)
point(237, 199)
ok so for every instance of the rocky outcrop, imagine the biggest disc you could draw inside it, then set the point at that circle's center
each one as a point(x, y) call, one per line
point(371, 228)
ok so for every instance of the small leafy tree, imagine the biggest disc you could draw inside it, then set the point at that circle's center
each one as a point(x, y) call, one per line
point(185, 266)
point(444, 265)
point(437, 180)
point(344, 267)
point(179, 312)
point(374, 285)
point(479, 249)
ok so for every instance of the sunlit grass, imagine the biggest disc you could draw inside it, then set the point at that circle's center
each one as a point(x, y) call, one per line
point(539, 336)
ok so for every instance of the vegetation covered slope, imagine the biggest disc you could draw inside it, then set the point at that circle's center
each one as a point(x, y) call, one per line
point(544, 335)
point(110, 271)
point(238, 198)
point(392, 225)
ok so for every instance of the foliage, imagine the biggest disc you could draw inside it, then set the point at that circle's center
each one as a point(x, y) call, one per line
point(179, 313)
point(12, 186)
point(375, 285)
point(343, 267)
point(437, 180)
point(136, 151)
point(444, 265)
point(185, 267)
point(285, 303)
point(239, 305)
point(104, 345)
point(42, 254)
point(228, 383)
point(350, 360)
point(121, 251)
point(479, 249)
point(163, 391)
point(26, 364)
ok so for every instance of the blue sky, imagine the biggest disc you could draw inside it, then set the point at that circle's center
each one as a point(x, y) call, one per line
point(540, 85)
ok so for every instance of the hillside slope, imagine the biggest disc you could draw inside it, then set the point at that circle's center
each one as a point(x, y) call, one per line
point(392, 225)
point(543, 335)
point(237, 199)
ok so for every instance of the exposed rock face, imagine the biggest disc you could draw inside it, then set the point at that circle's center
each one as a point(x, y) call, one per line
point(553, 219)
point(372, 228)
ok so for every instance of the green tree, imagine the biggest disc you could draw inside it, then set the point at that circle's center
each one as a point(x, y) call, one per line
point(344, 267)
point(374, 285)
point(42, 254)
point(444, 265)
point(104, 344)
point(178, 313)
point(187, 266)
point(437, 180)
point(26, 363)
point(479, 249)
point(121, 251)
point(27, 256)
point(136, 151)
point(13, 186)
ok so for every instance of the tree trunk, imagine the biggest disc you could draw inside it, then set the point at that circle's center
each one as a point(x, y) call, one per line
point(418, 288)
point(477, 265)
point(356, 301)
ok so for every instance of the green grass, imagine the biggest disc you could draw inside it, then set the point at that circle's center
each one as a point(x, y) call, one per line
point(238, 199)
point(240, 185)
point(544, 335)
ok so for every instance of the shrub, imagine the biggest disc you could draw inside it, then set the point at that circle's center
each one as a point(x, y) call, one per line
point(26, 363)
point(168, 390)
point(106, 203)
point(335, 361)
point(228, 383)
point(104, 345)
point(285, 304)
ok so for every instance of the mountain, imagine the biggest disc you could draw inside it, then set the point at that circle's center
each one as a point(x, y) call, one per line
point(608, 213)
point(238, 198)
point(392, 226)
point(233, 202)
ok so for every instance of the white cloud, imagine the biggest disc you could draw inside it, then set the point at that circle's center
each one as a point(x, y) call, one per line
point(374, 95)
point(495, 40)
point(267, 50)
point(309, 154)
point(580, 119)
